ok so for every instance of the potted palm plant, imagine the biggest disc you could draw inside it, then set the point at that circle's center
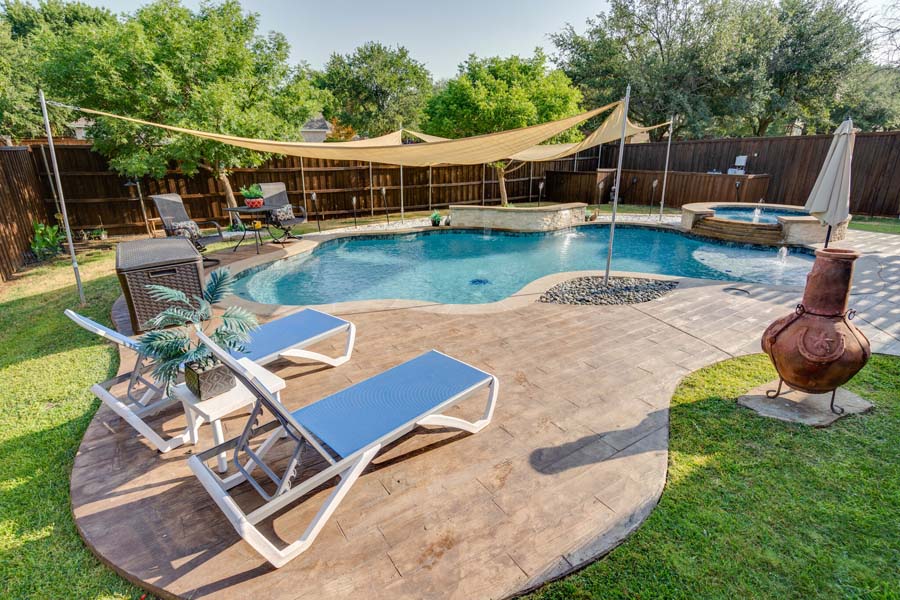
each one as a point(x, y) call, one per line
point(170, 343)
point(253, 195)
point(436, 219)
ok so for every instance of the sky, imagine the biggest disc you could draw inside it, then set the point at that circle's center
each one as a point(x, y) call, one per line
point(439, 33)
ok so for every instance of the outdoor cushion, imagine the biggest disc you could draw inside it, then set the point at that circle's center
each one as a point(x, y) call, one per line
point(353, 418)
point(187, 229)
point(283, 213)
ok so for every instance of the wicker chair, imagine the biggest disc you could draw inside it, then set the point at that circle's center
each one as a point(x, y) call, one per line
point(275, 196)
point(176, 222)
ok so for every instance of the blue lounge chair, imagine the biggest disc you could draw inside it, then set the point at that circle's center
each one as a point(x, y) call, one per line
point(346, 430)
point(284, 337)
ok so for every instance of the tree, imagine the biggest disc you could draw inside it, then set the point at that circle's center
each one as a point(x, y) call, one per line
point(375, 89)
point(871, 98)
point(207, 70)
point(20, 115)
point(495, 94)
point(670, 51)
point(723, 67)
point(822, 42)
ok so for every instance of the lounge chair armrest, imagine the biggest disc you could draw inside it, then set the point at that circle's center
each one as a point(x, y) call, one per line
point(214, 224)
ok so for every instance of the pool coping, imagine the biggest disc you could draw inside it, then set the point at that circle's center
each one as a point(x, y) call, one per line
point(527, 294)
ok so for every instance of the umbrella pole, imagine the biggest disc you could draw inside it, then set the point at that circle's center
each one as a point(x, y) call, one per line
point(612, 223)
point(662, 200)
point(827, 236)
point(62, 198)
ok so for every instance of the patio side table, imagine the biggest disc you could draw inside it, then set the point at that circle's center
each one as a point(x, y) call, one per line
point(246, 210)
point(212, 410)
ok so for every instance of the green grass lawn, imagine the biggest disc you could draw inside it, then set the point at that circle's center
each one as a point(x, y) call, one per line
point(753, 507)
point(757, 508)
point(876, 224)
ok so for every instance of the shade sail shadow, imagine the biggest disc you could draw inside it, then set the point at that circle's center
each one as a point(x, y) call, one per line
point(616, 443)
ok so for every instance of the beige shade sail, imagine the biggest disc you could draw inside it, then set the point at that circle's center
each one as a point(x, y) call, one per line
point(426, 137)
point(829, 200)
point(609, 130)
point(465, 151)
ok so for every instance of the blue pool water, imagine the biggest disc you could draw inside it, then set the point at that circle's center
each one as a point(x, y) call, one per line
point(745, 213)
point(467, 267)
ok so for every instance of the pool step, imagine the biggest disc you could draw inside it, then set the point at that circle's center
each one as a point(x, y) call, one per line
point(737, 231)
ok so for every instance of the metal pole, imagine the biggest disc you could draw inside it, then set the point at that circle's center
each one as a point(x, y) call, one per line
point(662, 200)
point(530, 178)
point(429, 187)
point(387, 215)
point(401, 194)
point(354, 211)
point(612, 223)
point(62, 198)
point(575, 167)
point(303, 186)
point(482, 183)
point(50, 178)
point(371, 191)
point(137, 182)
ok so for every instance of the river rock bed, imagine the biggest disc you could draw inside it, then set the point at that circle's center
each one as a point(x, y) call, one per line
point(621, 290)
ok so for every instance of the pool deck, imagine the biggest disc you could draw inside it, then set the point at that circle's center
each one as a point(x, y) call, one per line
point(574, 460)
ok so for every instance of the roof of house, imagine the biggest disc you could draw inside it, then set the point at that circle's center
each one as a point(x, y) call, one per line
point(317, 123)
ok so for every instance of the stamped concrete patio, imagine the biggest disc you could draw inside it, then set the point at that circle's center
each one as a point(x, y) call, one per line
point(574, 460)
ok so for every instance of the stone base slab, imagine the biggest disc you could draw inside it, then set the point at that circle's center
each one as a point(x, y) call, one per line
point(795, 406)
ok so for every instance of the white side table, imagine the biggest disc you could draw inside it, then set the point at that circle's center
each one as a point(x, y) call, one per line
point(213, 409)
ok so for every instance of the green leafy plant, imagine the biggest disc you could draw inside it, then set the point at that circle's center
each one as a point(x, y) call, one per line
point(254, 191)
point(171, 348)
point(435, 218)
point(47, 241)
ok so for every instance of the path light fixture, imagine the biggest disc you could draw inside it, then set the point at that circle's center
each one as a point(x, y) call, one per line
point(315, 202)
point(384, 203)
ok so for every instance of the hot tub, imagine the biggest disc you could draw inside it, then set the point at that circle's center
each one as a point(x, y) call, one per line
point(764, 224)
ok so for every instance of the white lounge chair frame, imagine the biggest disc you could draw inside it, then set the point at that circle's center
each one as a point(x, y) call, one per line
point(144, 398)
point(283, 426)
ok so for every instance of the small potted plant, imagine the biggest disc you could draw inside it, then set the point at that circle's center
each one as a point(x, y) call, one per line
point(253, 195)
point(435, 219)
point(170, 344)
point(590, 215)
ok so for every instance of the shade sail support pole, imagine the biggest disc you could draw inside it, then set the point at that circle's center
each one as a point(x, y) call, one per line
point(483, 175)
point(371, 191)
point(530, 178)
point(662, 200)
point(303, 187)
point(612, 223)
point(402, 216)
point(62, 197)
point(429, 187)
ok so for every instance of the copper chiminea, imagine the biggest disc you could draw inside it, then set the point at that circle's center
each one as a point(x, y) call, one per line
point(817, 349)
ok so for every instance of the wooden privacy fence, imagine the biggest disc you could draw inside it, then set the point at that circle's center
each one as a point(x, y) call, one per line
point(21, 204)
point(96, 195)
point(792, 164)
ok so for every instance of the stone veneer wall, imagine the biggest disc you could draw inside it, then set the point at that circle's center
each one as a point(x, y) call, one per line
point(544, 218)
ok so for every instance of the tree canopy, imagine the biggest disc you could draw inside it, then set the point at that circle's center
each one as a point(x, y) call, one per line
point(724, 67)
point(207, 69)
point(375, 89)
point(494, 94)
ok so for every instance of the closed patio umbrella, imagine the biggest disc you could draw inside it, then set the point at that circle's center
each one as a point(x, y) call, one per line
point(829, 200)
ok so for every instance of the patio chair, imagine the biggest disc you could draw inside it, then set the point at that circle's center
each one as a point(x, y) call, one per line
point(176, 222)
point(284, 337)
point(282, 215)
point(346, 430)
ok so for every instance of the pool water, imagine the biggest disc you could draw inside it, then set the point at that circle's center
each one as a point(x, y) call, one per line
point(470, 267)
point(745, 214)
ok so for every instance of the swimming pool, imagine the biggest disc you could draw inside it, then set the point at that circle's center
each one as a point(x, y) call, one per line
point(746, 214)
point(472, 267)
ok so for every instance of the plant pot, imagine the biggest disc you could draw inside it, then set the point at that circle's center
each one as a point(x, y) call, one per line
point(209, 382)
point(435, 223)
point(253, 202)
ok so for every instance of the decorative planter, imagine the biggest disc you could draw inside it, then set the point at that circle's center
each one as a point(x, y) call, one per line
point(253, 202)
point(435, 223)
point(817, 349)
point(210, 382)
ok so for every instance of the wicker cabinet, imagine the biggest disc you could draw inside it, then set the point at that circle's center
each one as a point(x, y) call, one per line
point(172, 262)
